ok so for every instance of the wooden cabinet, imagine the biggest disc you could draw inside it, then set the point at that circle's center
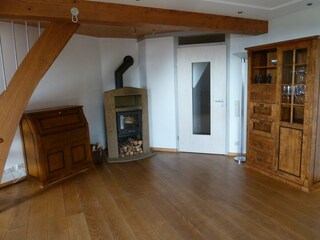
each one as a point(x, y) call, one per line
point(56, 143)
point(283, 137)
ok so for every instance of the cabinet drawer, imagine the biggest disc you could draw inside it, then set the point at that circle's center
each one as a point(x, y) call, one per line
point(260, 159)
point(53, 141)
point(259, 143)
point(262, 93)
point(261, 88)
point(262, 111)
point(262, 127)
point(62, 120)
point(77, 134)
point(262, 97)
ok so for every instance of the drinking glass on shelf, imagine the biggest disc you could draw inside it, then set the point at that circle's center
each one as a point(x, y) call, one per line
point(289, 94)
point(299, 93)
point(300, 75)
point(286, 94)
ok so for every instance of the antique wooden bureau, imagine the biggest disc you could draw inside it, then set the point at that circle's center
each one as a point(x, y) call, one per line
point(56, 143)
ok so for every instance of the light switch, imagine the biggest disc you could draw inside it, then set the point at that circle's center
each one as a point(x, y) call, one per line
point(237, 108)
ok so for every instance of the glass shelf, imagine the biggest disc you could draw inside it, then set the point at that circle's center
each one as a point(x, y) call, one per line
point(264, 67)
point(301, 64)
point(268, 84)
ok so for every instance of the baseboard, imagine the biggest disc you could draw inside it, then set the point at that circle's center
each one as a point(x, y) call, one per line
point(172, 150)
point(11, 182)
point(231, 154)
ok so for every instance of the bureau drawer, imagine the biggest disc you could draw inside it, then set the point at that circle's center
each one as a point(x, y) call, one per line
point(62, 120)
point(260, 159)
point(53, 141)
point(77, 134)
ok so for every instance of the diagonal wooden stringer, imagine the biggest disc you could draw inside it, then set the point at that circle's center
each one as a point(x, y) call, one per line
point(14, 100)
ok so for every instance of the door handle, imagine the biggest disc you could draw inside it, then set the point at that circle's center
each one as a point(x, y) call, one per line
point(219, 101)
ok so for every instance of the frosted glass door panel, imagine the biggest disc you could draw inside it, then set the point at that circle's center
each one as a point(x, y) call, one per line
point(201, 98)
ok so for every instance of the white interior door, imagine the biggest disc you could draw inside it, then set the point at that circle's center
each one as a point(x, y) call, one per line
point(202, 99)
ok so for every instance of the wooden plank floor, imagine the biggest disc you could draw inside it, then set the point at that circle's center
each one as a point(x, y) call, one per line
point(169, 196)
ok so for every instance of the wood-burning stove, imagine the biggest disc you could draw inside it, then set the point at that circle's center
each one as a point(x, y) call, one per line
point(129, 124)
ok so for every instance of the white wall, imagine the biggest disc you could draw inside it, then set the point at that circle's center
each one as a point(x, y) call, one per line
point(73, 79)
point(142, 45)
point(112, 53)
point(296, 25)
point(235, 77)
point(160, 80)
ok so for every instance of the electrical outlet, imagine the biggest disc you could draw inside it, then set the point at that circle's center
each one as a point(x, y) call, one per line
point(20, 166)
point(237, 109)
point(9, 170)
point(16, 167)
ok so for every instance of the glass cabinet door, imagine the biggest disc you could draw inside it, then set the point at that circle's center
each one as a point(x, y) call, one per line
point(293, 85)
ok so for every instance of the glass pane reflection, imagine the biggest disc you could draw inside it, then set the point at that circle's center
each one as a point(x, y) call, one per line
point(201, 98)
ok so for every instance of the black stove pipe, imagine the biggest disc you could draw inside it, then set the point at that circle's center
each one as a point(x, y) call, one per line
point(127, 62)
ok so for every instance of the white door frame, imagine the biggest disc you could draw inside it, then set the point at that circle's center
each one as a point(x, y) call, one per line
point(214, 100)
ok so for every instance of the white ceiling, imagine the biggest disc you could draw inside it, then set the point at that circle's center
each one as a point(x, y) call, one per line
point(257, 9)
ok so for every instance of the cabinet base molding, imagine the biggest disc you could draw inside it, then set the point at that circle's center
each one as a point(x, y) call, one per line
point(315, 186)
point(284, 180)
point(47, 185)
point(130, 158)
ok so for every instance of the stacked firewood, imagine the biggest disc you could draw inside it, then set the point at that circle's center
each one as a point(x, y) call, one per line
point(130, 147)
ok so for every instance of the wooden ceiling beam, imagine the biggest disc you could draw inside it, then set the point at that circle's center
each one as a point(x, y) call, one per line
point(106, 31)
point(118, 14)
